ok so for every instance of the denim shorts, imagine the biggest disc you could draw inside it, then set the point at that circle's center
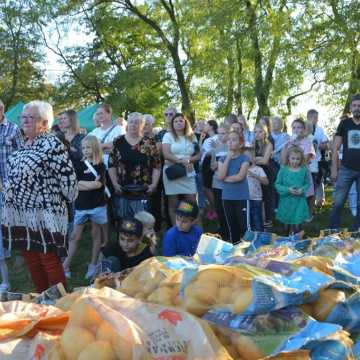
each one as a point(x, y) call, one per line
point(97, 216)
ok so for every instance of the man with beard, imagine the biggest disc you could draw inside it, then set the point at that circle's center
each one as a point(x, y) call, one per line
point(347, 135)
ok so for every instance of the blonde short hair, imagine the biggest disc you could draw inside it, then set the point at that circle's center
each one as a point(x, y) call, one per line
point(44, 109)
point(136, 116)
point(145, 218)
point(97, 157)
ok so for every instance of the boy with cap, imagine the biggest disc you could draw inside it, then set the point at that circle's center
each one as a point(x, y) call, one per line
point(129, 250)
point(183, 238)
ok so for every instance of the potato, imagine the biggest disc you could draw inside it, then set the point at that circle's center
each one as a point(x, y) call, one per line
point(83, 314)
point(123, 347)
point(225, 296)
point(73, 341)
point(242, 298)
point(98, 350)
point(195, 306)
point(56, 353)
point(222, 277)
point(246, 348)
point(67, 301)
point(203, 291)
point(326, 302)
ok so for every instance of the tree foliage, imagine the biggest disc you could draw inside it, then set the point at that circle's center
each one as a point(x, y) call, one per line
point(254, 57)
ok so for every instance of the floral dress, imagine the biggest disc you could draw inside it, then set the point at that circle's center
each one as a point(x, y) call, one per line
point(292, 209)
point(134, 164)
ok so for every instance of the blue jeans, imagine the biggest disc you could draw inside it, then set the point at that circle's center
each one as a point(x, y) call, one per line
point(345, 179)
point(123, 207)
point(256, 215)
point(200, 190)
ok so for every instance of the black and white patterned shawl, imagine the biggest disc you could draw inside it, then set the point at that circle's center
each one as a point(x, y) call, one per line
point(41, 181)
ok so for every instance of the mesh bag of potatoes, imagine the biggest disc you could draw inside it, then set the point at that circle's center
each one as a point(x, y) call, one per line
point(284, 334)
point(107, 325)
point(248, 290)
point(27, 329)
point(145, 278)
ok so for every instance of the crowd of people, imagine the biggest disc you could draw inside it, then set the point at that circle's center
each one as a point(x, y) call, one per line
point(141, 183)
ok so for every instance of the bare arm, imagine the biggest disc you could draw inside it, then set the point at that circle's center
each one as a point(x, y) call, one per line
point(335, 156)
point(89, 185)
point(113, 178)
point(241, 175)
point(264, 160)
point(168, 155)
point(223, 167)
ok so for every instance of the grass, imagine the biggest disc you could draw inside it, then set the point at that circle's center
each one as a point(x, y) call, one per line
point(20, 279)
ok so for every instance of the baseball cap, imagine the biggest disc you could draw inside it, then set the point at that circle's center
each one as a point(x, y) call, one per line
point(187, 208)
point(131, 226)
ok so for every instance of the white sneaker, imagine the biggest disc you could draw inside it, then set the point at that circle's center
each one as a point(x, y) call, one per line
point(4, 287)
point(90, 271)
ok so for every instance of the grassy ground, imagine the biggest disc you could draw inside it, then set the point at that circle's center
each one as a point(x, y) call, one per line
point(20, 278)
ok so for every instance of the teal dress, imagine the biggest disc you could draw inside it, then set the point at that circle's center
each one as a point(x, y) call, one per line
point(292, 209)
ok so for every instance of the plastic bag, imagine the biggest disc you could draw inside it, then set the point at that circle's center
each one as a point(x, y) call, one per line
point(106, 321)
point(249, 290)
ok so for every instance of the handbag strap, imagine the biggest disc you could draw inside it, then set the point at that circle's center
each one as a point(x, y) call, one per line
point(94, 172)
point(107, 134)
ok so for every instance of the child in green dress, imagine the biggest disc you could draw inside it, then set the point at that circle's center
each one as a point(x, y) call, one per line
point(292, 183)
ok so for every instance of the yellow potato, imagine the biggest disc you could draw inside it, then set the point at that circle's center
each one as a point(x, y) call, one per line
point(242, 298)
point(195, 307)
point(326, 302)
point(222, 277)
point(73, 341)
point(123, 347)
point(56, 353)
point(98, 350)
point(225, 296)
point(83, 314)
point(67, 301)
point(246, 348)
point(203, 291)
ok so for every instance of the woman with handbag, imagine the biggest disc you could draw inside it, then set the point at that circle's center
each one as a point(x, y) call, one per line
point(180, 150)
point(134, 168)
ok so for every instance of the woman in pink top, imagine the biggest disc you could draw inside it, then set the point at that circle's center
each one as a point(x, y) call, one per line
point(300, 139)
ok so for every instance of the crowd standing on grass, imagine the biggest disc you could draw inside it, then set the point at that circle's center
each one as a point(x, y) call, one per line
point(148, 191)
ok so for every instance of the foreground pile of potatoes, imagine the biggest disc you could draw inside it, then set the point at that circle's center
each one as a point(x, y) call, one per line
point(88, 337)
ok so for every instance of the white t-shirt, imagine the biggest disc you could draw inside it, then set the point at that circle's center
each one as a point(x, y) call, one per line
point(319, 137)
point(100, 133)
point(182, 148)
point(255, 190)
point(206, 146)
point(314, 163)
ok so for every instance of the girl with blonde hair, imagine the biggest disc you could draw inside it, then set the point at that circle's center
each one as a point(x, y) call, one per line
point(90, 204)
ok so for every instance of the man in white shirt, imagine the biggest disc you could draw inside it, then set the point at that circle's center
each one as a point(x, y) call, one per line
point(321, 143)
point(107, 131)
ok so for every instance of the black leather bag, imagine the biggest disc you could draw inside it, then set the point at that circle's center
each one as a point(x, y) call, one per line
point(134, 190)
point(175, 171)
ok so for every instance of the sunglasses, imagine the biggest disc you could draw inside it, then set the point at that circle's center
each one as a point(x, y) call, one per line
point(169, 114)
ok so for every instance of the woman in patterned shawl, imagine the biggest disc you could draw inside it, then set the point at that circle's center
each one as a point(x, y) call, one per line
point(41, 181)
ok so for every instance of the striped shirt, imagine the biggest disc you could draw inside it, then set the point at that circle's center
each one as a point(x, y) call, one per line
point(11, 140)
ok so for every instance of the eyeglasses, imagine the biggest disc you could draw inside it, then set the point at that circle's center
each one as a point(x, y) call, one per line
point(30, 117)
point(169, 114)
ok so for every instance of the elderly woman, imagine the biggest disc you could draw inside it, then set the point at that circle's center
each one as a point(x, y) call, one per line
point(70, 126)
point(134, 168)
point(41, 181)
point(180, 147)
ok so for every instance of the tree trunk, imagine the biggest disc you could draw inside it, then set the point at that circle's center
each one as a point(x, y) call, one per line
point(239, 79)
point(354, 83)
point(230, 83)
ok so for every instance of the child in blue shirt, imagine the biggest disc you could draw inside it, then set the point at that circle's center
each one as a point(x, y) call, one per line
point(183, 238)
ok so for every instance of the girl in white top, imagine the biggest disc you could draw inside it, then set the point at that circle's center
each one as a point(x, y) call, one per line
point(179, 146)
